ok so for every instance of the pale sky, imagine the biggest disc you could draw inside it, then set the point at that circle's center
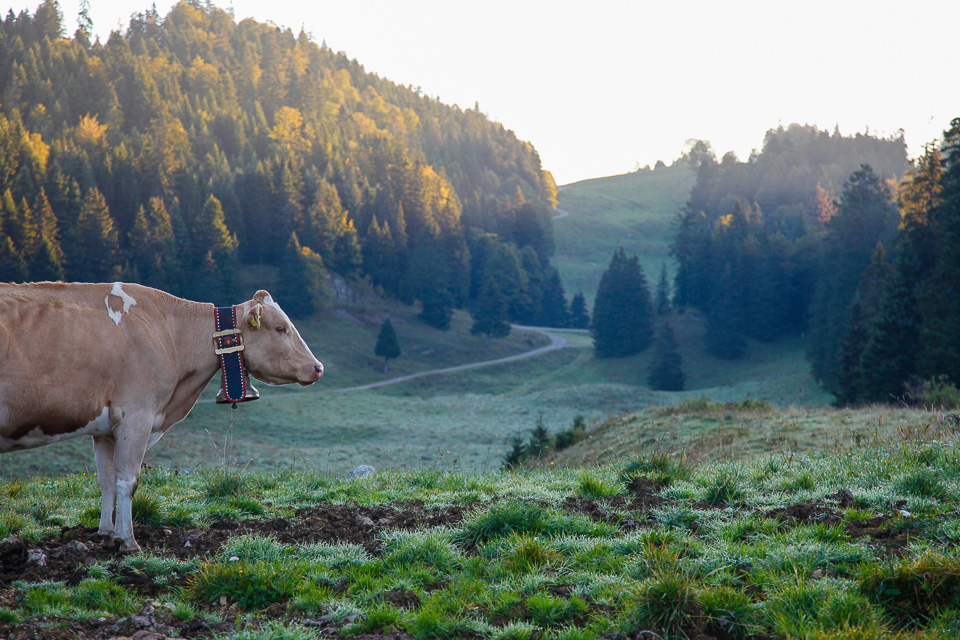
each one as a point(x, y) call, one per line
point(600, 86)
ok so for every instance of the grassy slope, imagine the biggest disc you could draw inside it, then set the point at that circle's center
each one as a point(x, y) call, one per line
point(633, 210)
point(857, 544)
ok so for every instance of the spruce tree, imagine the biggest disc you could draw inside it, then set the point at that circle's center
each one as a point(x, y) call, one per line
point(301, 284)
point(554, 311)
point(865, 216)
point(12, 266)
point(490, 317)
point(940, 294)
point(622, 313)
point(666, 369)
point(579, 318)
point(388, 347)
point(724, 321)
point(96, 259)
point(663, 292)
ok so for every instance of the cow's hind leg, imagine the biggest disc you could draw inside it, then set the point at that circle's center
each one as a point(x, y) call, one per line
point(132, 437)
point(103, 447)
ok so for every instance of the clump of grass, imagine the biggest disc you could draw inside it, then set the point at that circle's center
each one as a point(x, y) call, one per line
point(147, 509)
point(431, 549)
point(549, 611)
point(660, 467)
point(590, 485)
point(921, 483)
point(224, 483)
point(662, 605)
point(799, 610)
point(251, 586)
point(910, 591)
point(277, 630)
point(519, 517)
point(527, 554)
point(381, 618)
point(729, 610)
point(724, 489)
point(92, 597)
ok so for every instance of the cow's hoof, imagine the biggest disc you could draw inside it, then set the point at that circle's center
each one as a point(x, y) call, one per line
point(128, 547)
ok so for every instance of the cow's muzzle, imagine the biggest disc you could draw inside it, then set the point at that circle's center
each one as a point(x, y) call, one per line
point(313, 374)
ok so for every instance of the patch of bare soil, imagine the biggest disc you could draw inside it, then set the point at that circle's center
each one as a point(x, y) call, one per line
point(66, 558)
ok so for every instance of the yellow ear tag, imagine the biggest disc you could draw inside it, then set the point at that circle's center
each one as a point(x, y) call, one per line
point(255, 322)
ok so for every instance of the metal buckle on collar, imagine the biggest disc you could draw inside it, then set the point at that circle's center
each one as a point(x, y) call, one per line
point(233, 341)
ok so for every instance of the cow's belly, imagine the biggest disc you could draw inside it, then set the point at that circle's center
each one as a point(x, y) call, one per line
point(38, 431)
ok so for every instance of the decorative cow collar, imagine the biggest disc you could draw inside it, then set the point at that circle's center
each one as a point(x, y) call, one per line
point(228, 345)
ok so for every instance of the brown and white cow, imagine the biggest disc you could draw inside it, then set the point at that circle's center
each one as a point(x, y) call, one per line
point(123, 363)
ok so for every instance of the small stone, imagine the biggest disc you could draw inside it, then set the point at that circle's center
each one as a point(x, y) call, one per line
point(78, 546)
point(365, 521)
point(903, 512)
point(188, 544)
point(234, 558)
point(37, 557)
point(361, 471)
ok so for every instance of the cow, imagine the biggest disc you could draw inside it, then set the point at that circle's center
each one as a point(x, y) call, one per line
point(122, 363)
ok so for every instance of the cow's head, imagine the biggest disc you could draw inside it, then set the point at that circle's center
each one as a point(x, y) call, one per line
point(274, 352)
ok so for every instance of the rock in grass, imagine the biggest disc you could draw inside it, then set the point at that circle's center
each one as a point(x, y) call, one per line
point(361, 471)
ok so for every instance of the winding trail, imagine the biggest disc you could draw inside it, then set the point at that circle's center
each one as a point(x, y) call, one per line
point(556, 342)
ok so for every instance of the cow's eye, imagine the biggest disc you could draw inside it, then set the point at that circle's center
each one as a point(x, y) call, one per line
point(281, 329)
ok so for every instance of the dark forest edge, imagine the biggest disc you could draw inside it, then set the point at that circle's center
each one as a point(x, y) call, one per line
point(191, 145)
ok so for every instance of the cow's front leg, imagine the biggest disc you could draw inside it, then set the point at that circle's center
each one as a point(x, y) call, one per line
point(103, 447)
point(131, 437)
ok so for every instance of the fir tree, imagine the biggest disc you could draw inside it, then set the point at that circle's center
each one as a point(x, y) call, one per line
point(579, 318)
point(865, 216)
point(96, 258)
point(663, 292)
point(490, 317)
point(302, 280)
point(12, 266)
point(666, 369)
point(622, 313)
point(554, 311)
point(436, 308)
point(723, 338)
point(388, 347)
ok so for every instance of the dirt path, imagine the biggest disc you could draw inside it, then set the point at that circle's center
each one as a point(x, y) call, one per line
point(556, 342)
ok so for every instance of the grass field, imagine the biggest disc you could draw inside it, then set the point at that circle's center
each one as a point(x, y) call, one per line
point(859, 543)
point(634, 211)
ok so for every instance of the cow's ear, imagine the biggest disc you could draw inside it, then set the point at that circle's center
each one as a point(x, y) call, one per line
point(253, 316)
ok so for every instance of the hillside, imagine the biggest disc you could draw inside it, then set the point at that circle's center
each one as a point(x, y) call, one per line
point(635, 211)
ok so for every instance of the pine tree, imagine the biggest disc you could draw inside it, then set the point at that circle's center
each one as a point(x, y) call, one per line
point(301, 282)
point(865, 216)
point(579, 318)
point(436, 308)
point(622, 313)
point(388, 347)
point(153, 247)
point(940, 292)
point(554, 312)
point(490, 317)
point(889, 356)
point(666, 369)
point(723, 337)
point(97, 249)
point(12, 266)
point(663, 292)
point(866, 305)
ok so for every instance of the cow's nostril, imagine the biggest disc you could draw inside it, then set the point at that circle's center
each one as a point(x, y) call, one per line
point(318, 368)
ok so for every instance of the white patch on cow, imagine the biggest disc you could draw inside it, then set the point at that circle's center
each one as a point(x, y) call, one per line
point(127, 300)
point(99, 426)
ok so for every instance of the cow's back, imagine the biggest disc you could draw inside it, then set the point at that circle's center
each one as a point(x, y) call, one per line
point(69, 352)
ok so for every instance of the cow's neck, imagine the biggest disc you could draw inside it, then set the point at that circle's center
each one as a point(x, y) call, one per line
point(196, 362)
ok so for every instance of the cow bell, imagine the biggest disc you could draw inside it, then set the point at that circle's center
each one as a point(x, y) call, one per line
point(251, 392)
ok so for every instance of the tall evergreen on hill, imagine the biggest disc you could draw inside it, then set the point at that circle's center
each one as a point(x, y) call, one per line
point(666, 369)
point(388, 346)
point(490, 316)
point(865, 216)
point(579, 316)
point(623, 312)
point(302, 283)
point(663, 292)
point(940, 292)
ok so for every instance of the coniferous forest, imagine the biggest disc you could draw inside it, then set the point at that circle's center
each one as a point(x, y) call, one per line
point(839, 240)
point(192, 144)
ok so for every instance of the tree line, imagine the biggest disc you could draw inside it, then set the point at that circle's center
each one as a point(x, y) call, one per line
point(863, 269)
point(191, 145)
